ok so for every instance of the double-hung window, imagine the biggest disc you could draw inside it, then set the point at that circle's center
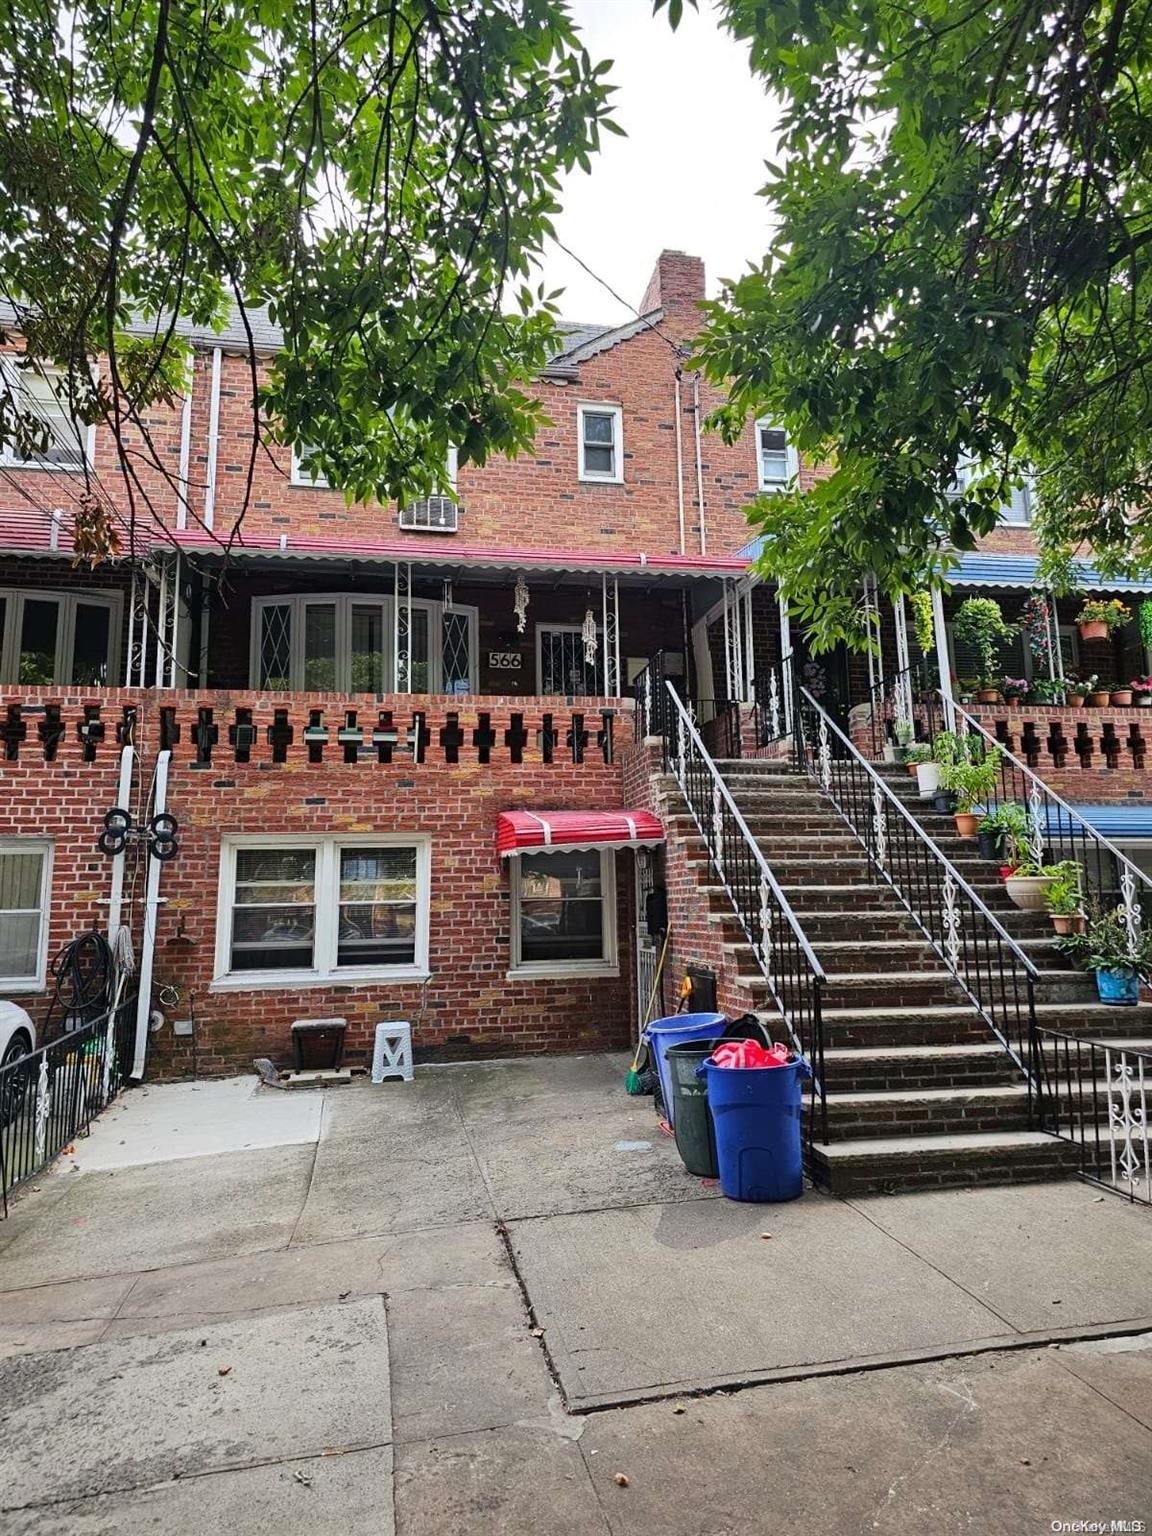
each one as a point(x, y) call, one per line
point(601, 443)
point(298, 909)
point(41, 393)
point(777, 462)
point(51, 638)
point(563, 913)
point(302, 474)
point(25, 874)
point(438, 513)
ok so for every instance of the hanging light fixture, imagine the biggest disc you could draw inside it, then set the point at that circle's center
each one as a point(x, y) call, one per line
point(520, 603)
point(588, 632)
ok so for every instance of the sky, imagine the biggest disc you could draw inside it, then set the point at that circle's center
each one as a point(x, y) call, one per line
point(699, 130)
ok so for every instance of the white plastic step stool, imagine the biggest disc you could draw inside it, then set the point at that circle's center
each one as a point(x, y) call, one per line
point(392, 1053)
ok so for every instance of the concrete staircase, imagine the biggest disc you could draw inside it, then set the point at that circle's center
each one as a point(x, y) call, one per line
point(920, 1092)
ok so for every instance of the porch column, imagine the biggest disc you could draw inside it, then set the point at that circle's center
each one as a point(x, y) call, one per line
point(749, 644)
point(728, 688)
point(903, 661)
point(943, 665)
point(402, 627)
point(785, 624)
point(610, 635)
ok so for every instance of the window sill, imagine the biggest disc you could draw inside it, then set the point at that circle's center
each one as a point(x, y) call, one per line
point(23, 986)
point(294, 981)
point(42, 467)
point(562, 970)
point(601, 479)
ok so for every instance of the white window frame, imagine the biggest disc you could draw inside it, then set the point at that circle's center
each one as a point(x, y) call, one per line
point(43, 846)
point(325, 972)
point(310, 480)
point(14, 599)
point(344, 602)
point(86, 441)
point(601, 408)
point(565, 629)
point(1027, 494)
point(791, 458)
point(607, 965)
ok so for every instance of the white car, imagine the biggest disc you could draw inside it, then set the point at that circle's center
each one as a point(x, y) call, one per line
point(17, 1038)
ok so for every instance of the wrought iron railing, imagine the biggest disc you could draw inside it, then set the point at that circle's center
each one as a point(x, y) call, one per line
point(791, 971)
point(52, 1095)
point(904, 707)
point(774, 702)
point(994, 972)
point(725, 723)
point(1097, 1094)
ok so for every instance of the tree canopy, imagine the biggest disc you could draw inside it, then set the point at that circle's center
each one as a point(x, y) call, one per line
point(959, 275)
point(379, 177)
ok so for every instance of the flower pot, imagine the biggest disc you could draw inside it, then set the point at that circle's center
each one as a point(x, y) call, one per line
point(1142, 700)
point(1067, 922)
point(1076, 700)
point(1028, 892)
point(928, 779)
point(911, 767)
point(988, 696)
point(944, 802)
point(1119, 987)
point(1097, 630)
point(1100, 700)
point(966, 823)
point(1122, 697)
point(990, 845)
point(889, 752)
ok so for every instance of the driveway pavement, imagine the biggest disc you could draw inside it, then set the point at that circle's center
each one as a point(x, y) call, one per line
point(465, 1304)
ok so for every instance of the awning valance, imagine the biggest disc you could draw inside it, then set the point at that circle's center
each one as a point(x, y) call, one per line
point(551, 831)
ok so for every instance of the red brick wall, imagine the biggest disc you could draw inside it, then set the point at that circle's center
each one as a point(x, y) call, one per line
point(468, 1007)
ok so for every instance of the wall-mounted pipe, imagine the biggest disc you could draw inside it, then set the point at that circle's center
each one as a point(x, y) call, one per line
point(699, 462)
point(213, 439)
point(185, 446)
point(151, 914)
point(680, 462)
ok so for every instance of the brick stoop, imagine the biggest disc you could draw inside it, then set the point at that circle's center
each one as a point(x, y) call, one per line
point(919, 1091)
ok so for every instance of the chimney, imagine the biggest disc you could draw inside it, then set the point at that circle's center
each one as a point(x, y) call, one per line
point(677, 280)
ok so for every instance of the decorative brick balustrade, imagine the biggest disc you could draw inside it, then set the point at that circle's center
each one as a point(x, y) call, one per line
point(1061, 739)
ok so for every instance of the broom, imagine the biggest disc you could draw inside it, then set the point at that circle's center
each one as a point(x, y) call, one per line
point(632, 1080)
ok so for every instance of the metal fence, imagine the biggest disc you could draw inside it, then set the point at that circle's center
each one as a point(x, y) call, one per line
point(53, 1094)
point(1096, 1095)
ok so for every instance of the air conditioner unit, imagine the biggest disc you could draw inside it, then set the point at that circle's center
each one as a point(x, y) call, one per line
point(431, 514)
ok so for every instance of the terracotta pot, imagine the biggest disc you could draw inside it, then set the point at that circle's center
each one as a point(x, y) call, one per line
point(1100, 700)
point(967, 823)
point(1076, 700)
point(1028, 892)
point(1122, 698)
point(1067, 922)
point(1097, 630)
point(988, 696)
point(911, 767)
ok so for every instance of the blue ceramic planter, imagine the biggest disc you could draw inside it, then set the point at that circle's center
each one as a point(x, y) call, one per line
point(1120, 987)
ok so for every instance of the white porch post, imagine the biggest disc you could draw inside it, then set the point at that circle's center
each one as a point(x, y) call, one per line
point(728, 689)
point(943, 665)
point(785, 624)
point(903, 659)
point(610, 635)
point(749, 645)
point(402, 627)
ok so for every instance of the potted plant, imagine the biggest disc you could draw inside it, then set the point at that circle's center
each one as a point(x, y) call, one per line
point(980, 624)
point(1047, 690)
point(1028, 885)
point(1120, 964)
point(1003, 831)
point(966, 689)
point(1100, 695)
point(1014, 688)
point(1064, 898)
point(1122, 697)
point(917, 756)
point(1100, 616)
point(904, 733)
point(1075, 692)
point(971, 783)
point(1142, 692)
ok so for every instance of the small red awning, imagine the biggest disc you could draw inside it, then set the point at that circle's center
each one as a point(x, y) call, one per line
point(550, 831)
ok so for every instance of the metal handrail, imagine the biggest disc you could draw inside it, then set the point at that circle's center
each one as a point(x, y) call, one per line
point(1096, 1096)
point(951, 944)
point(794, 976)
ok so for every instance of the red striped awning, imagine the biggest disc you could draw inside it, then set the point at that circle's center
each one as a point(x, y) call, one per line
point(550, 831)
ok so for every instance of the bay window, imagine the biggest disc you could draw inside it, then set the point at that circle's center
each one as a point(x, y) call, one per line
point(49, 638)
point(564, 913)
point(344, 643)
point(301, 909)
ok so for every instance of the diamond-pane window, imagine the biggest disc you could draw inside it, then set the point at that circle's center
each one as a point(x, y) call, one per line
point(276, 647)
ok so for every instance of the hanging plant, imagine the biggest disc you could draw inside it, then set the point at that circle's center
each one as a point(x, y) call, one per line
point(1144, 614)
point(1035, 622)
point(980, 624)
point(921, 606)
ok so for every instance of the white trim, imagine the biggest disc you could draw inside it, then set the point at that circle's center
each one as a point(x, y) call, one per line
point(44, 847)
point(616, 412)
point(14, 599)
point(607, 964)
point(791, 458)
point(86, 447)
point(213, 439)
point(182, 503)
point(326, 885)
point(310, 480)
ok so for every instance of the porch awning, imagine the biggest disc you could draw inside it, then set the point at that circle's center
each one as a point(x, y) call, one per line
point(987, 570)
point(551, 831)
point(1116, 822)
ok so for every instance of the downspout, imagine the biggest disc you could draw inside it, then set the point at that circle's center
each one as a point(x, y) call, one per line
point(185, 446)
point(680, 463)
point(213, 439)
point(151, 912)
point(699, 461)
point(116, 889)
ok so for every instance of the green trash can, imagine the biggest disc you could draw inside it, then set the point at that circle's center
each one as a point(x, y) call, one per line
point(691, 1117)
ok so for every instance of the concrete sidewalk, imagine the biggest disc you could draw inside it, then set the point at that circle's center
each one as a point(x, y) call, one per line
point(459, 1279)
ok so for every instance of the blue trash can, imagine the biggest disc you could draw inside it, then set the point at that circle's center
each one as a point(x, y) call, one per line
point(756, 1112)
point(662, 1033)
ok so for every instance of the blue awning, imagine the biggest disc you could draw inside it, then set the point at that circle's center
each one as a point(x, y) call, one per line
point(1115, 822)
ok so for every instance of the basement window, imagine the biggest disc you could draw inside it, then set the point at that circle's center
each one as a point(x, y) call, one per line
point(564, 913)
point(25, 870)
point(294, 911)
